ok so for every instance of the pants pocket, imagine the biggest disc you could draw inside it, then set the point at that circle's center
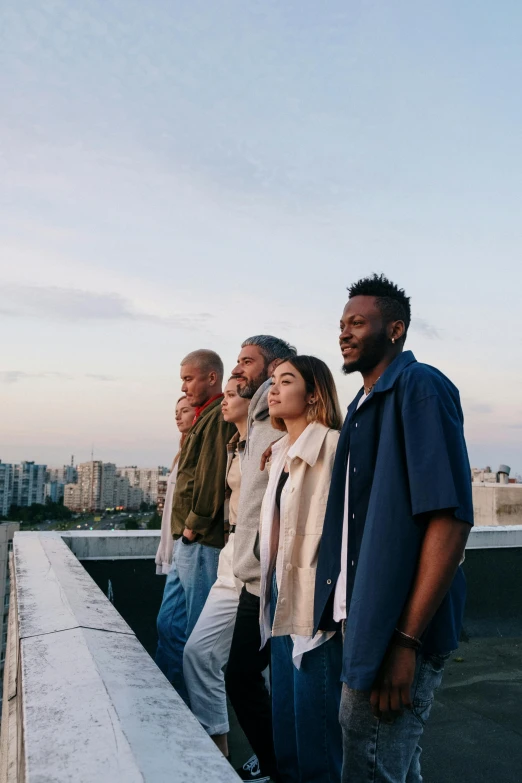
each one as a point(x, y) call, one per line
point(429, 677)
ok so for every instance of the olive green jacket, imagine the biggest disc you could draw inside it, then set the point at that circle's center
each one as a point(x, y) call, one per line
point(199, 495)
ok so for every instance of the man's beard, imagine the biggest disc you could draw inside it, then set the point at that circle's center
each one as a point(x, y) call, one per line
point(373, 351)
point(249, 389)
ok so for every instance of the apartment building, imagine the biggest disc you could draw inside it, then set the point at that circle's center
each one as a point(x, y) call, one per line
point(101, 486)
point(95, 488)
point(146, 479)
point(6, 487)
point(21, 485)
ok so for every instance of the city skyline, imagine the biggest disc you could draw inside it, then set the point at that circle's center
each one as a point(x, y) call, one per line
point(179, 176)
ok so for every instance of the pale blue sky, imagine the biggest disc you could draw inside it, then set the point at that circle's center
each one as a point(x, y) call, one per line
point(179, 175)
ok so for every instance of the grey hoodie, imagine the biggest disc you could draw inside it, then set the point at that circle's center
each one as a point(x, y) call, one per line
point(260, 435)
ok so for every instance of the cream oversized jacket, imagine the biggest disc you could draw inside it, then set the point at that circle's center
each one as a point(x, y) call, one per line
point(310, 460)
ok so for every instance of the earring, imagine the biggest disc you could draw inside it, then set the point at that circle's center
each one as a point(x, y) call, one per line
point(311, 402)
point(393, 340)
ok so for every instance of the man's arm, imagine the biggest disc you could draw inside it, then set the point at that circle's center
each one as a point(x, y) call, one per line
point(209, 480)
point(441, 552)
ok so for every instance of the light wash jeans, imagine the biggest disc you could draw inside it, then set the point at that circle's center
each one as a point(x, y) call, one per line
point(379, 752)
point(193, 572)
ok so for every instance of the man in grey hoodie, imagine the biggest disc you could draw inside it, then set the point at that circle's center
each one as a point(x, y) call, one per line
point(244, 679)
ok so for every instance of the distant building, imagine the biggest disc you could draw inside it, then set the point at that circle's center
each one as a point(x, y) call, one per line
point(21, 485)
point(486, 475)
point(6, 488)
point(72, 497)
point(496, 500)
point(53, 491)
point(146, 479)
point(125, 495)
point(67, 474)
point(100, 486)
point(162, 492)
point(135, 498)
point(95, 488)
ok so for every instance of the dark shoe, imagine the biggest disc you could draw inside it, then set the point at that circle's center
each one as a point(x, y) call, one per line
point(250, 771)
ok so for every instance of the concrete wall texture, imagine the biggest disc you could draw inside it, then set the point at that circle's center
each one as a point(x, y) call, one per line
point(497, 504)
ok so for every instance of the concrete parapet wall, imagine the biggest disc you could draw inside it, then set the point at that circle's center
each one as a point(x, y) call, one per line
point(498, 504)
point(95, 706)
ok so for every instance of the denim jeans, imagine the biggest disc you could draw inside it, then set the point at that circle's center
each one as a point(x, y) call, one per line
point(193, 572)
point(379, 752)
point(305, 710)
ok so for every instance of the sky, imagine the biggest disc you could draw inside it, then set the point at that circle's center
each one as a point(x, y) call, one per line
point(182, 175)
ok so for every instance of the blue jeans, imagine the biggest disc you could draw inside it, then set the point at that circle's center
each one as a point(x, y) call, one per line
point(193, 572)
point(305, 710)
point(379, 752)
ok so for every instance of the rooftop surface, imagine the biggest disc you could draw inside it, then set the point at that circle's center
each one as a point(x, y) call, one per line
point(475, 730)
point(474, 734)
point(107, 706)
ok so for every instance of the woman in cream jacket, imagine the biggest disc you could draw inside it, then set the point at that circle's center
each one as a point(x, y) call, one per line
point(306, 669)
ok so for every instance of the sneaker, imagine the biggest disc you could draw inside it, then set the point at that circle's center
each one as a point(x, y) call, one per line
point(250, 771)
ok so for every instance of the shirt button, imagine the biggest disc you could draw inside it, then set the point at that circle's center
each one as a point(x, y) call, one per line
point(328, 581)
point(353, 563)
point(353, 516)
point(355, 470)
point(356, 424)
point(288, 566)
point(282, 600)
point(291, 532)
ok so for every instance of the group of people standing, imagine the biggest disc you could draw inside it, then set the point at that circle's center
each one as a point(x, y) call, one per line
point(313, 566)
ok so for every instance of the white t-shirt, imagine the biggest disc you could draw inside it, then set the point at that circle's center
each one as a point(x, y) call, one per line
point(339, 607)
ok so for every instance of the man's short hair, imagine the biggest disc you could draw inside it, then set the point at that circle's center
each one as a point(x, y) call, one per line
point(392, 301)
point(271, 347)
point(206, 361)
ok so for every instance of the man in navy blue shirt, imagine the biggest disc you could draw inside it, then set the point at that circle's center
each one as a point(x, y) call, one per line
point(398, 517)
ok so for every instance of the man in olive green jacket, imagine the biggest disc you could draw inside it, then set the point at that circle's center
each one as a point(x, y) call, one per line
point(197, 513)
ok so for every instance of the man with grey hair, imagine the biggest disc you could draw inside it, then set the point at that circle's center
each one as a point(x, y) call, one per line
point(197, 513)
point(244, 678)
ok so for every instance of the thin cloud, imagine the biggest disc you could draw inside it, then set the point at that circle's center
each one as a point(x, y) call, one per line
point(424, 328)
point(474, 406)
point(15, 376)
point(98, 377)
point(72, 304)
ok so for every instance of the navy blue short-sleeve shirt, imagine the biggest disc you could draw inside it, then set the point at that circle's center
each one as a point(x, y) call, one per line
point(408, 458)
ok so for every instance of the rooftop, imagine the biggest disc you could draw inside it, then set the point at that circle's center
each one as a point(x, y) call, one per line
point(86, 702)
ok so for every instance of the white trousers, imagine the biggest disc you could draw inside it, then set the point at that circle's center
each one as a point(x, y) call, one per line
point(208, 647)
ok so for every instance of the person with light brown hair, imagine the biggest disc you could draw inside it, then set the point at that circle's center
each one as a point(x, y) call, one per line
point(184, 419)
point(306, 668)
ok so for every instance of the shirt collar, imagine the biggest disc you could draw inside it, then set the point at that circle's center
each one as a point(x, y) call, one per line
point(307, 446)
point(198, 410)
point(390, 375)
point(388, 378)
point(235, 443)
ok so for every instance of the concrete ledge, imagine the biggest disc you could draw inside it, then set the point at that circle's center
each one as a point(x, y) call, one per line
point(111, 545)
point(95, 706)
point(495, 537)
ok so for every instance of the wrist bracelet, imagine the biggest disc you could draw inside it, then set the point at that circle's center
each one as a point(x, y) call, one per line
point(405, 640)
